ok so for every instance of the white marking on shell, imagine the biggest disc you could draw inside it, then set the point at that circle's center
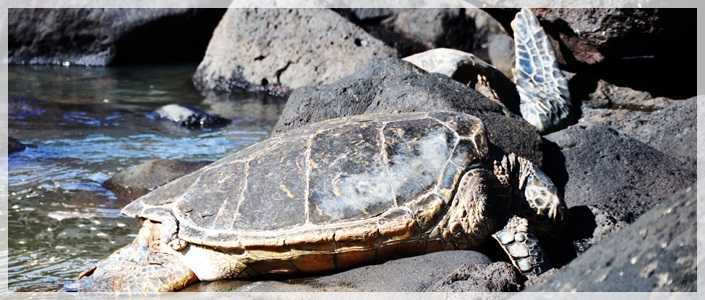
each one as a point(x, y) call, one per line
point(361, 191)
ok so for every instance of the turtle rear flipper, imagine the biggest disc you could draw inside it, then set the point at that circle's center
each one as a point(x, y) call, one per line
point(522, 246)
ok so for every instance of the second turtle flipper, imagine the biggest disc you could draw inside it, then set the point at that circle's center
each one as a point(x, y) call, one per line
point(543, 90)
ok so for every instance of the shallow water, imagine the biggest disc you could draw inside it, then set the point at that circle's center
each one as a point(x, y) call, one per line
point(84, 125)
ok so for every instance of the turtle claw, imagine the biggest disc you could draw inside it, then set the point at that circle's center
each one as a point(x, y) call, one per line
point(555, 212)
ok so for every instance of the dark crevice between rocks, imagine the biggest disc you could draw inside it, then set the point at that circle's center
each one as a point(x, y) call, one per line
point(405, 46)
point(667, 68)
point(177, 38)
point(662, 65)
point(504, 16)
point(663, 76)
point(559, 248)
point(380, 27)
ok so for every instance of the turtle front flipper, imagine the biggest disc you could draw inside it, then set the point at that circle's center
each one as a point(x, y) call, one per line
point(143, 266)
point(522, 246)
point(536, 197)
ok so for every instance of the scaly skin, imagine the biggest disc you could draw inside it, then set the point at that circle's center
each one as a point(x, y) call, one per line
point(543, 90)
point(143, 266)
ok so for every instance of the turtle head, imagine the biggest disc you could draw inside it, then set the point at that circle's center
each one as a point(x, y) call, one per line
point(535, 194)
point(143, 266)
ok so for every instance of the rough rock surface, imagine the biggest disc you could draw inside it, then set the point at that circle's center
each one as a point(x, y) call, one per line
point(280, 49)
point(100, 36)
point(395, 86)
point(13, 145)
point(470, 70)
point(190, 117)
point(671, 130)
point(614, 173)
point(411, 274)
point(607, 95)
point(138, 180)
point(588, 225)
point(495, 277)
point(656, 253)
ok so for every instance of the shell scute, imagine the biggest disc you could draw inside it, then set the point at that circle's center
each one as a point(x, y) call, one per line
point(274, 188)
point(346, 180)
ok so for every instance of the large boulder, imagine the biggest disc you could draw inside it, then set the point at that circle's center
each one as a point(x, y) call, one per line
point(671, 130)
point(394, 86)
point(140, 179)
point(280, 49)
point(609, 179)
point(439, 271)
point(658, 253)
point(614, 172)
point(101, 36)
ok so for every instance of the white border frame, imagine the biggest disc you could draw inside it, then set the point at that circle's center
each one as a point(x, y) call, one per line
point(6, 4)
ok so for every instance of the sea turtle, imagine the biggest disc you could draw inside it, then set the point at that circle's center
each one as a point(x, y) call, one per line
point(332, 195)
point(543, 90)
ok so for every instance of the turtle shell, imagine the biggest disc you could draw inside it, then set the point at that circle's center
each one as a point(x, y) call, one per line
point(337, 173)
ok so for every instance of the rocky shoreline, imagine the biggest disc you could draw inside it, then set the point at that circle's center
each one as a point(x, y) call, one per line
point(625, 163)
